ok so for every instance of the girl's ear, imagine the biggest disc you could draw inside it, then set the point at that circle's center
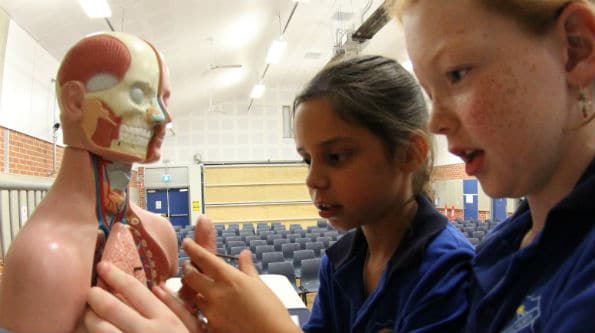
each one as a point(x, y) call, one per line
point(576, 24)
point(416, 154)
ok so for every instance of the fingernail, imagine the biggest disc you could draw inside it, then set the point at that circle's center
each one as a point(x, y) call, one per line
point(102, 267)
point(158, 290)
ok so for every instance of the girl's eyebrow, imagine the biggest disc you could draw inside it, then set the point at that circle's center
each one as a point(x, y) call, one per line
point(330, 142)
point(335, 140)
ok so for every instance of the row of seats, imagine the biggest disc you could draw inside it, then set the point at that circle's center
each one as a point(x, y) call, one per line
point(474, 230)
point(294, 252)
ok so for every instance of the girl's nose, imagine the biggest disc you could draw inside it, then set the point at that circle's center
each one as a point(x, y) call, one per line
point(316, 178)
point(442, 120)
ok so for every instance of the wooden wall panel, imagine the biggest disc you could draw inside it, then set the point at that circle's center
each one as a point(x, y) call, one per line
point(250, 174)
point(263, 212)
point(258, 193)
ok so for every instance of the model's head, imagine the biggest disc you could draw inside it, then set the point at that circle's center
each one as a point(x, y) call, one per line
point(113, 89)
point(378, 94)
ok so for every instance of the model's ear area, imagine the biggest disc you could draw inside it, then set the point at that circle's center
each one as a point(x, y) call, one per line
point(577, 24)
point(72, 95)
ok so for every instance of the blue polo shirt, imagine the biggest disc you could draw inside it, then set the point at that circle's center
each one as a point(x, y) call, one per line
point(422, 289)
point(547, 286)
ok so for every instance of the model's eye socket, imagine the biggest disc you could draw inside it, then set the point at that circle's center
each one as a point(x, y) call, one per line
point(137, 95)
point(456, 75)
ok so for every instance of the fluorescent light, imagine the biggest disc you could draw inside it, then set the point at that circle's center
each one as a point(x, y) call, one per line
point(276, 51)
point(96, 8)
point(169, 125)
point(258, 91)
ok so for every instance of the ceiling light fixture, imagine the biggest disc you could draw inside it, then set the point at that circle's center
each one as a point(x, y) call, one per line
point(96, 8)
point(257, 91)
point(276, 51)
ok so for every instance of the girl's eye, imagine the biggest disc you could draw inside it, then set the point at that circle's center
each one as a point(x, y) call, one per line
point(307, 161)
point(456, 75)
point(336, 158)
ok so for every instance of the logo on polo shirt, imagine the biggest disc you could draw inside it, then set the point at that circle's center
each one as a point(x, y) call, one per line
point(526, 315)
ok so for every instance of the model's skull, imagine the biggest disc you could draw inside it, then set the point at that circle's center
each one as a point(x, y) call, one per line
point(126, 89)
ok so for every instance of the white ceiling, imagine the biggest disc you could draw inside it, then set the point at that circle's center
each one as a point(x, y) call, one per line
point(192, 34)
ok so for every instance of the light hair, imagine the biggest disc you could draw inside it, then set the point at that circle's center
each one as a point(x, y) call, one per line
point(537, 16)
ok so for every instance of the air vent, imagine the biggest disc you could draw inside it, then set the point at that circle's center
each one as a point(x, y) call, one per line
point(342, 16)
point(312, 55)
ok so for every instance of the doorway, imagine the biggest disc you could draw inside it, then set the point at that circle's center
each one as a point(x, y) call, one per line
point(170, 203)
point(470, 199)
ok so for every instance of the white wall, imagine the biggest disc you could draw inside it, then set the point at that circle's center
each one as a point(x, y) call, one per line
point(232, 133)
point(441, 154)
point(27, 99)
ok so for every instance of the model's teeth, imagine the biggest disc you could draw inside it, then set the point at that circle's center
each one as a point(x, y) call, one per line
point(135, 136)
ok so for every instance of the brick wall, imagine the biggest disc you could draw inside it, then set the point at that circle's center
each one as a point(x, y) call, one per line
point(449, 171)
point(134, 184)
point(140, 182)
point(29, 156)
point(33, 157)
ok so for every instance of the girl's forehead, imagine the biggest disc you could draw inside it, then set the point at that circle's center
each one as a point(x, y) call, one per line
point(431, 28)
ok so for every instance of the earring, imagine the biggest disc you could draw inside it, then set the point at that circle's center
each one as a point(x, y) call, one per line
point(584, 103)
point(585, 106)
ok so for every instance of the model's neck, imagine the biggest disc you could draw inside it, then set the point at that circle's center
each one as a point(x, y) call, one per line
point(89, 180)
point(75, 179)
point(117, 175)
point(111, 185)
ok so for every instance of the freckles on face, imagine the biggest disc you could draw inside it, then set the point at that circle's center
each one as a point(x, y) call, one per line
point(495, 103)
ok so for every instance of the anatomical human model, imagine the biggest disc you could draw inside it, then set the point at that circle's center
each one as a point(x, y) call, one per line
point(113, 90)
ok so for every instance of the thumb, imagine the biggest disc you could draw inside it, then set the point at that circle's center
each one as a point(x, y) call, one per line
point(245, 263)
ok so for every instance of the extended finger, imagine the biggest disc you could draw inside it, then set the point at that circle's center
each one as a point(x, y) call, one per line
point(106, 305)
point(206, 261)
point(94, 324)
point(134, 292)
point(246, 264)
point(177, 307)
point(196, 280)
point(205, 234)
